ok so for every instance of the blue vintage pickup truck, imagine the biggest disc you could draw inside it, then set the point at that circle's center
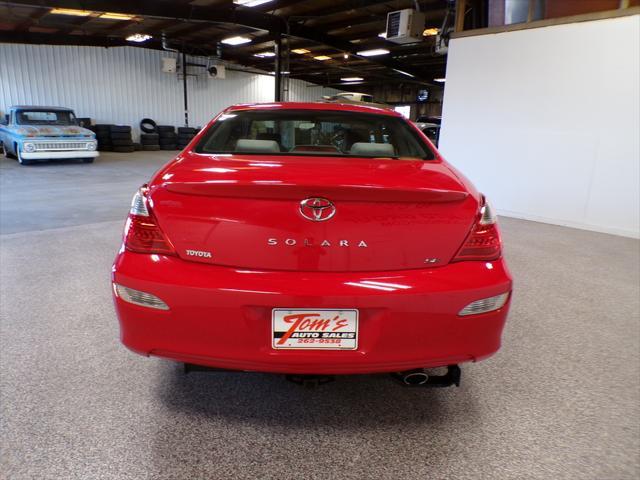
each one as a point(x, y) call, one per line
point(31, 134)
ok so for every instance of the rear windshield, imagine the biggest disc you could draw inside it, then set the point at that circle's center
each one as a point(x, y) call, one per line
point(315, 133)
point(45, 117)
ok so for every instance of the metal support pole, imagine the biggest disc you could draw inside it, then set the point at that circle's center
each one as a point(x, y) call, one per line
point(532, 10)
point(461, 7)
point(184, 88)
point(278, 68)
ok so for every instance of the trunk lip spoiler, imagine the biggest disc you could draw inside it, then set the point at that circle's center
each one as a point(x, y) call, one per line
point(285, 191)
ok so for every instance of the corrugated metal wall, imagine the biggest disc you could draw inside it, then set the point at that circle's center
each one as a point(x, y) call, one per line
point(125, 84)
point(300, 91)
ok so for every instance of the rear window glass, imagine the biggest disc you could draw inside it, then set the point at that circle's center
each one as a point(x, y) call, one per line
point(314, 133)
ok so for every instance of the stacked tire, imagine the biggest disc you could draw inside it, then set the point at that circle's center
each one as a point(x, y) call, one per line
point(103, 136)
point(84, 122)
point(149, 138)
point(121, 138)
point(150, 141)
point(168, 137)
point(185, 135)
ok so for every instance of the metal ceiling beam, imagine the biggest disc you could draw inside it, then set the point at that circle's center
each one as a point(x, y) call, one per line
point(168, 10)
point(33, 19)
point(160, 27)
point(190, 29)
point(222, 14)
point(352, 5)
point(354, 22)
point(332, 15)
point(281, 5)
point(76, 25)
point(90, 41)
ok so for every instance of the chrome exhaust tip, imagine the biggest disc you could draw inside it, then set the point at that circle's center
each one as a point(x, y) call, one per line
point(415, 377)
point(419, 378)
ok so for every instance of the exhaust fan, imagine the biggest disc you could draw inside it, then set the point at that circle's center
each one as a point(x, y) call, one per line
point(405, 26)
point(216, 71)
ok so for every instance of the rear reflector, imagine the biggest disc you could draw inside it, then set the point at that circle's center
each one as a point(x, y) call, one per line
point(137, 297)
point(139, 203)
point(141, 232)
point(485, 305)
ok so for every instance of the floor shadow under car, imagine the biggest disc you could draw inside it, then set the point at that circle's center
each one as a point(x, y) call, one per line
point(274, 420)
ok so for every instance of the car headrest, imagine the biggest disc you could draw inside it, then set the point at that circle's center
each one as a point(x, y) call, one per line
point(269, 136)
point(372, 149)
point(248, 145)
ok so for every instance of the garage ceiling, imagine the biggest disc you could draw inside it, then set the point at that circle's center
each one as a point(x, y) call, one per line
point(337, 29)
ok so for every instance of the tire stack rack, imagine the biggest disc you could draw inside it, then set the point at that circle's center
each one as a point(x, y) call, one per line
point(117, 138)
point(168, 137)
point(103, 135)
point(185, 135)
point(121, 138)
point(149, 137)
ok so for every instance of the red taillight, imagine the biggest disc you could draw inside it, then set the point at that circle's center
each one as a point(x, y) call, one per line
point(483, 243)
point(142, 234)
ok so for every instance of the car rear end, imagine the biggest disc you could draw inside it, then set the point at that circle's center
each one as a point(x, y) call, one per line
point(315, 263)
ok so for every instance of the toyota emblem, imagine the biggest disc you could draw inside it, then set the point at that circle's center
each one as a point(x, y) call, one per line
point(317, 209)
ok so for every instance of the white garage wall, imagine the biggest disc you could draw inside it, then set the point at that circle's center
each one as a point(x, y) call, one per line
point(301, 91)
point(546, 122)
point(126, 84)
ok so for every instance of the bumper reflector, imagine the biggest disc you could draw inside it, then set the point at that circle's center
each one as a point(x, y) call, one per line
point(137, 297)
point(485, 305)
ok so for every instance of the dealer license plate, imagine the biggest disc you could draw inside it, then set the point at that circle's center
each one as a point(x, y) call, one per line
point(317, 329)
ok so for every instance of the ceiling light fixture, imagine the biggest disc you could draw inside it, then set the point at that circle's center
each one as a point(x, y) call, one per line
point(282, 73)
point(250, 3)
point(404, 73)
point(322, 58)
point(264, 54)
point(139, 37)
point(429, 32)
point(116, 16)
point(346, 56)
point(235, 40)
point(301, 51)
point(439, 80)
point(374, 52)
point(352, 79)
point(71, 11)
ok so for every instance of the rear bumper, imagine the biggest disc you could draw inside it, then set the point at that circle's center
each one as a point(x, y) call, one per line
point(59, 155)
point(221, 317)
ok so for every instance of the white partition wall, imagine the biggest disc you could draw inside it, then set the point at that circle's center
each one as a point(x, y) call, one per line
point(546, 122)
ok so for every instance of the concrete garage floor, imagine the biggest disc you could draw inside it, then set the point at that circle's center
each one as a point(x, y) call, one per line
point(561, 400)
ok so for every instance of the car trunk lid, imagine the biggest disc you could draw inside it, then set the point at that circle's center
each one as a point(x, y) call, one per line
point(246, 212)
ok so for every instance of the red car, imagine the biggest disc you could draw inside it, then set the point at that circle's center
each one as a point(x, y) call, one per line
point(312, 239)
